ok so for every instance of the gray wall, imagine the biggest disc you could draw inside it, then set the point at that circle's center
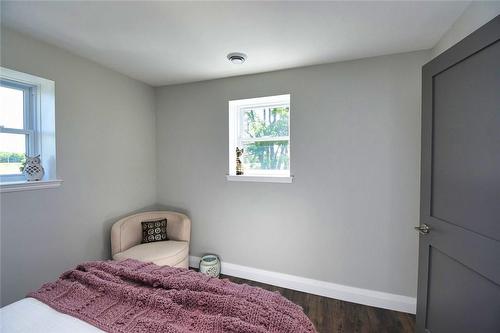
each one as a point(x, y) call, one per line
point(348, 216)
point(474, 16)
point(105, 126)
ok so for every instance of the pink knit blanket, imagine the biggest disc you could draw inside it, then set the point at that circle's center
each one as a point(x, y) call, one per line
point(132, 296)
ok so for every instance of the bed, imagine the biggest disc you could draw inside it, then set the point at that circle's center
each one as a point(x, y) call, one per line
point(133, 296)
point(31, 315)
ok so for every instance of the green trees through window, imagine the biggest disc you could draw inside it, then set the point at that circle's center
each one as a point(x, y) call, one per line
point(265, 138)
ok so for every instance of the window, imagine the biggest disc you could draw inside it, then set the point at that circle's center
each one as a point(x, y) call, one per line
point(27, 126)
point(261, 127)
point(17, 126)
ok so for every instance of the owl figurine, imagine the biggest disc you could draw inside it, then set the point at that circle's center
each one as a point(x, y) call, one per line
point(33, 170)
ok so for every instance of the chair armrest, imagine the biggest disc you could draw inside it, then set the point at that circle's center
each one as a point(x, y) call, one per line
point(180, 230)
point(116, 245)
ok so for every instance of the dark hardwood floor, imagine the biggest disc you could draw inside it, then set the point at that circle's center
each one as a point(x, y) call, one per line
point(333, 316)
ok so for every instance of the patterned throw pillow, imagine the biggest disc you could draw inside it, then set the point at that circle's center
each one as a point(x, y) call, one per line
point(154, 231)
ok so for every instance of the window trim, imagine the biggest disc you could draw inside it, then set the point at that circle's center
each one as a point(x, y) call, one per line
point(260, 179)
point(235, 124)
point(42, 123)
point(29, 186)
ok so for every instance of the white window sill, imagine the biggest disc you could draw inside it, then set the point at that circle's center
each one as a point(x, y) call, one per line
point(29, 186)
point(261, 179)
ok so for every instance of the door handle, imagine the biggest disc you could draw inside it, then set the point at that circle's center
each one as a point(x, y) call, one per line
point(423, 229)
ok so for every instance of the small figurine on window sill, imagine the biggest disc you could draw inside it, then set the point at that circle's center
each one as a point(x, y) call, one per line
point(239, 165)
point(32, 168)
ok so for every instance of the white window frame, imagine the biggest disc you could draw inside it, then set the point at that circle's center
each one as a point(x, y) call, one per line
point(39, 128)
point(30, 128)
point(236, 107)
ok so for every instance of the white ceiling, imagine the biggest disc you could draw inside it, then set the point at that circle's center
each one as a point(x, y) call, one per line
point(164, 43)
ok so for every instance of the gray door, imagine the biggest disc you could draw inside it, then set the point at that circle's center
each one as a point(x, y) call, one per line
point(459, 255)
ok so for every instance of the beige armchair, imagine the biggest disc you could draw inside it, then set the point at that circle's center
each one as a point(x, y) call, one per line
point(126, 235)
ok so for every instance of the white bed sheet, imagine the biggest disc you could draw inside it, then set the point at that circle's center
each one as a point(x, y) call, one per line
point(31, 315)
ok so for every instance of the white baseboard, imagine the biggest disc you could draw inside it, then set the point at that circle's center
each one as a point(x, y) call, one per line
point(327, 289)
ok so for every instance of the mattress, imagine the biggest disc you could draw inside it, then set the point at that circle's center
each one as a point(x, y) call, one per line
point(31, 315)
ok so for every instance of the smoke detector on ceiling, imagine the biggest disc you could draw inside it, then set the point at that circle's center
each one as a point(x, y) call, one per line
point(237, 58)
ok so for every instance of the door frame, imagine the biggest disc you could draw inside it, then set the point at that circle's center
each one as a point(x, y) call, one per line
point(451, 238)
